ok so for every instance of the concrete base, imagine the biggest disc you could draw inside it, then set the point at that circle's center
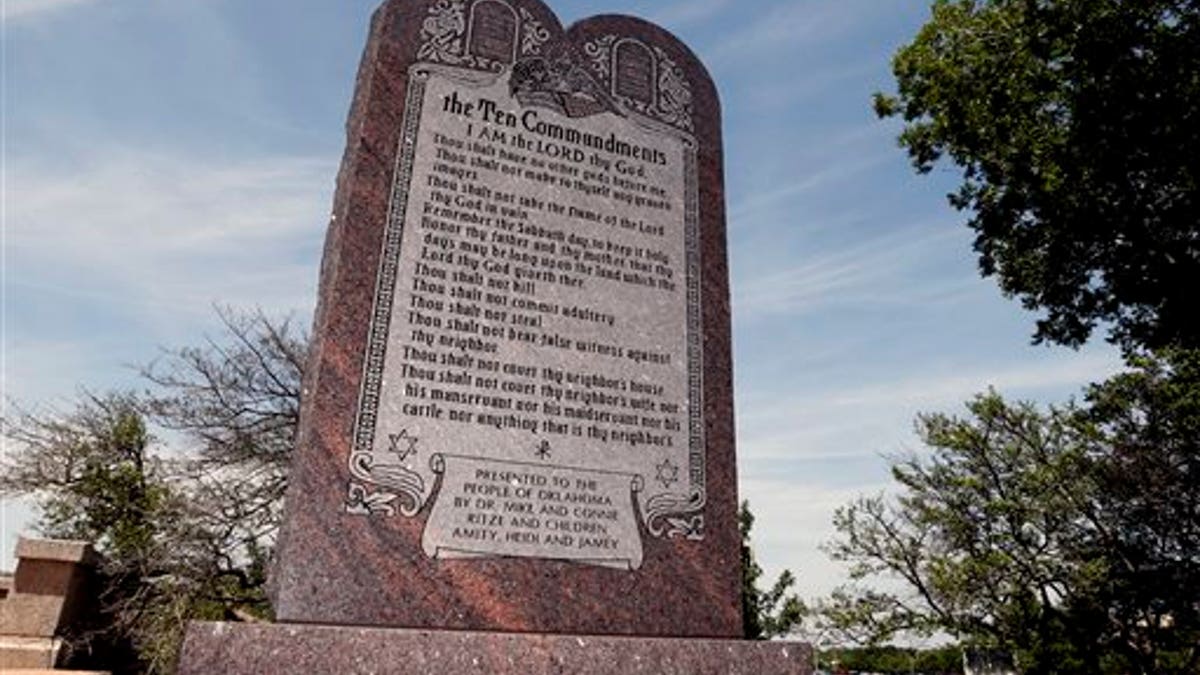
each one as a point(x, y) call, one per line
point(51, 671)
point(227, 648)
point(28, 652)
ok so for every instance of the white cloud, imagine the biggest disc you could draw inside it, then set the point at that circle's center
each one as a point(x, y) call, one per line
point(792, 520)
point(874, 417)
point(792, 24)
point(854, 274)
point(786, 441)
point(823, 176)
point(15, 514)
point(18, 9)
point(147, 229)
point(124, 250)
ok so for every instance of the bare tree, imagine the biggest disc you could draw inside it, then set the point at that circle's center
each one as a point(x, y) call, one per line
point(236, 399)
point(178, 486)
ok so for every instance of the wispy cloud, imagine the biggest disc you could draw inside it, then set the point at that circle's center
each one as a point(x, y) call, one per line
point(952, 388)
point(18, 9)
point(124, 250)
point(793, 518)
point(874, 417)
point(793, 24)
point(829, 161)
point(850, 274)
point(776, 195)
point(807, 84)
point(142, 227)
point(789, 438)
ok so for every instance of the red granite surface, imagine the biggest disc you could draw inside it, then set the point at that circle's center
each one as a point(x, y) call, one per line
point(338, 568)
point(229, 648)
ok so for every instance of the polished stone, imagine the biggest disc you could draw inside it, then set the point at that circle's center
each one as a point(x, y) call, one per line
point(381, 527)
point(229, 649)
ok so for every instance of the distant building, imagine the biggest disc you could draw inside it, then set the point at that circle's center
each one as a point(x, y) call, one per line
point(49, 591)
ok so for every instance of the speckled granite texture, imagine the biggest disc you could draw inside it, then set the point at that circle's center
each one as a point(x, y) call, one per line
point(340, 568)
point(229, 648)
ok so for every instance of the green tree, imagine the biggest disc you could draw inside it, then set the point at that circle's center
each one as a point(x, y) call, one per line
point(891, 659)
point(186, 530)
point(97, 475)
point(771, 613)
point(978, 535)
point(1077, 126)
point(1149, 503)
point(1066, 537)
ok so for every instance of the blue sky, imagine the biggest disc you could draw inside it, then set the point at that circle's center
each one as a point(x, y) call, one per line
point(160, 157)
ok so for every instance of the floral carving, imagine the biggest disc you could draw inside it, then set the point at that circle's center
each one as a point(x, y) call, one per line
point(599, 52)
point(442, 33)
point(674, 94)
point(533, 34)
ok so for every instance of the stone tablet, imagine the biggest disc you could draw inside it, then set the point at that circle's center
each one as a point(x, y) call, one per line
point(518, 410)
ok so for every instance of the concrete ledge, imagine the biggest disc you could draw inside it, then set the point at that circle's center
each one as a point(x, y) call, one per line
point(28, 652)
point(56, 549)
point(52, 671)
point(227, 648)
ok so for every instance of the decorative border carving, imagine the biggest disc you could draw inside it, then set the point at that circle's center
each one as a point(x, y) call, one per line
point(363, 467)
point(672, 514)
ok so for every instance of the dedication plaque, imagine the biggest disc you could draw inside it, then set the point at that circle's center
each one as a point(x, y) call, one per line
point(517, 412)
point(534, 345)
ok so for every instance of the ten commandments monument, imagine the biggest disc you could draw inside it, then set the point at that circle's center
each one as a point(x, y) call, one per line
point(517, 419)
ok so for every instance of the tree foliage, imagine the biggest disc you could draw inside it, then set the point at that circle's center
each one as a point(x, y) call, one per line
point(1077, 126)
point(1070, 537)
point(771, 613)
point(186, 528)
point(899, 660)
point(1149, 497)
point(236, 402)
point(97, 475)
point(1067, 537)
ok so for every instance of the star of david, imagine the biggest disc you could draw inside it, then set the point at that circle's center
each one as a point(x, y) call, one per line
point(543, 450)
point(410, 447)
point(667, 474)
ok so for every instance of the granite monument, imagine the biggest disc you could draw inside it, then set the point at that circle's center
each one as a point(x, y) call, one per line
point(518, 413)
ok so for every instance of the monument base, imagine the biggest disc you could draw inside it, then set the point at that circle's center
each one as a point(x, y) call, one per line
point(216, 648)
